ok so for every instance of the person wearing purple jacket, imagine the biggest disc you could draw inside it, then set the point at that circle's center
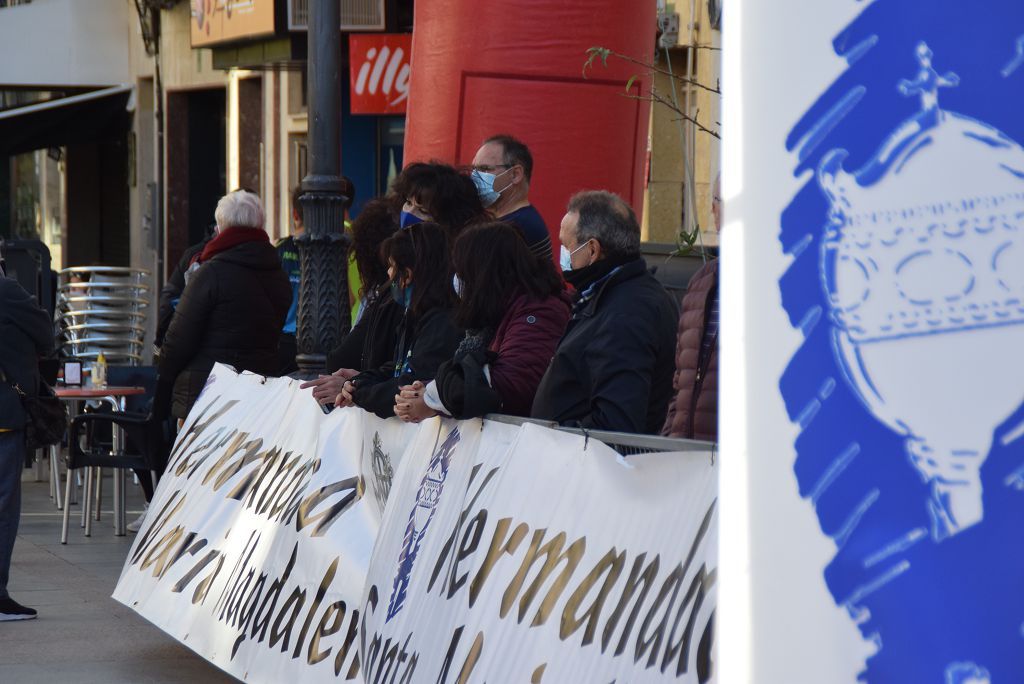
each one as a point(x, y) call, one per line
point(514, 308)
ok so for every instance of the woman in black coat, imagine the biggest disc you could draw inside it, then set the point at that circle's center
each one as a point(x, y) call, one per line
point(235, 301)
point(421, 284)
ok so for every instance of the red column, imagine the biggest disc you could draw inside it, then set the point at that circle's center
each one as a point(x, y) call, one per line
point(481, 68)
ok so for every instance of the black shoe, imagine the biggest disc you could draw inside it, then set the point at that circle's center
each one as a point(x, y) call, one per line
point(12, 610)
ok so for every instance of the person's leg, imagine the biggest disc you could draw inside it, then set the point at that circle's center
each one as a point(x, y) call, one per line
point(12, 460)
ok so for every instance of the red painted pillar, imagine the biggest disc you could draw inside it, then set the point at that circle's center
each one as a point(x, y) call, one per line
point(481, 68)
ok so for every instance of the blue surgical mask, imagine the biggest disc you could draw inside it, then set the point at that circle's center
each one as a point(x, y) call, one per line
point(565, 256)
point(409, 219)
point(401, 295)
point(485, 186)
point(457, 285)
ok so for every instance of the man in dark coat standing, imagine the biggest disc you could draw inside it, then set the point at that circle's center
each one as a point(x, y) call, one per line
point(234, 303)
point(613, 368)
point(26, 335)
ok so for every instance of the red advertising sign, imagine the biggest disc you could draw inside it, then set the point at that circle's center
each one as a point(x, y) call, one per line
point(380, 72)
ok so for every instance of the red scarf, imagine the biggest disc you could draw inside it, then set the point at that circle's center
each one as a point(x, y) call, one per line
point(232, 237)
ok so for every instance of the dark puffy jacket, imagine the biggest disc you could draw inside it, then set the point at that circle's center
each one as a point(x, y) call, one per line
point(613, 368)
point(26, 335)
point(230, 312)
point(172, 289)
point(694, 412)
point(423, 345)
point(371, 343)
point(517, 355)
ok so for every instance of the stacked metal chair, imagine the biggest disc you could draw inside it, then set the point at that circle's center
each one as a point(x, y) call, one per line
point(103, 308)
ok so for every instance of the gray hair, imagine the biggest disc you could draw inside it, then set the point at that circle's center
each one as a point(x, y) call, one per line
point(239, 209)
point(607, 218)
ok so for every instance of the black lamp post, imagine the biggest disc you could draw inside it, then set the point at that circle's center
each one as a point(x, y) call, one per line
point(323, 296)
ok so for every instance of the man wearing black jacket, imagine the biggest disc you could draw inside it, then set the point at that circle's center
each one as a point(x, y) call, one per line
point(613, 368)
point(26, 335)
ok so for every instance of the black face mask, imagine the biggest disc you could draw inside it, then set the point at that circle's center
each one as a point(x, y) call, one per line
point(581, 278)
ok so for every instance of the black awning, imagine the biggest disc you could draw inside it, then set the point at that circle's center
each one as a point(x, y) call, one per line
point(97, 116)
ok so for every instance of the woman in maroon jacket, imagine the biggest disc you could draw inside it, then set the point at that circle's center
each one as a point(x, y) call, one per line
point(515, 309)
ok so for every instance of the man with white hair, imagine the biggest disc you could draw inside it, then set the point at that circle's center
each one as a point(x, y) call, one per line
point(232, 308)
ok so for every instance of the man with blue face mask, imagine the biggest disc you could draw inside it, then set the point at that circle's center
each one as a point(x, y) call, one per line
point(502, 169)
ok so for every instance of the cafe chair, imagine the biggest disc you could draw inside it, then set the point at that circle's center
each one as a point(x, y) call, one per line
point(138, 442)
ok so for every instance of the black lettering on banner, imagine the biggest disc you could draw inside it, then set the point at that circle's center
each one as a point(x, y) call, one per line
point(327, 518)
point(499, 546)
point(228, 593)
point(701, 584)
point(321, 591)
point(470, 542)
point(186, 579)
point(335, 611)
point(277, 632)
point(269, 604)
point(203, 588)
point(368, 609)
point(611, 563)
point(446, 664)
point(350, 639)
point(158, 524)
point(552, 551)
point(249, 610)
point(653, 642)
point(635, 576)
point(452, 538)
point(198, 428)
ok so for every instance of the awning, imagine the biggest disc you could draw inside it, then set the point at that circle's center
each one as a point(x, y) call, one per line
point(97, 116)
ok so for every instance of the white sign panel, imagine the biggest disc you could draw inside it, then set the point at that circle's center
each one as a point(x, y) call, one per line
point(873, 303)
point(525, 555)
point(285, 545)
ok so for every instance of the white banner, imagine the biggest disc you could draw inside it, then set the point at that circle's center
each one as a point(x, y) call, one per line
point(261, 535)
point(528, 555)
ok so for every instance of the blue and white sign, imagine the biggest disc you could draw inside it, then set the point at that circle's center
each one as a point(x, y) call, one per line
point(877, 212)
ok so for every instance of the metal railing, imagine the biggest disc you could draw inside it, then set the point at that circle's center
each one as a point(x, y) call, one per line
point(622, 442)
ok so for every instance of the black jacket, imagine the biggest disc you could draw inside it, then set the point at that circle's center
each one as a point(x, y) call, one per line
point(371, 343)
point(172, 289)
point(423, 345)
point(230, 312)
point(613, 368)
point(26, 335)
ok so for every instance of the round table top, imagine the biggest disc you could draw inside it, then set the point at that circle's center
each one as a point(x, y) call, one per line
point(94, 392)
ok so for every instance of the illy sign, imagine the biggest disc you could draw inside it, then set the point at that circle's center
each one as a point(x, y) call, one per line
point(380, 72)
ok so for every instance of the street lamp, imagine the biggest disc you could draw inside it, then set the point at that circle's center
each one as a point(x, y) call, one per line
point(322, 320)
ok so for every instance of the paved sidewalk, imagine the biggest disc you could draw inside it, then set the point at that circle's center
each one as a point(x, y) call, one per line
point(82, 635)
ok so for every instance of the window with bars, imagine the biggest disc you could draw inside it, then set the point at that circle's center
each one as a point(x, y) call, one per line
point(356, 15)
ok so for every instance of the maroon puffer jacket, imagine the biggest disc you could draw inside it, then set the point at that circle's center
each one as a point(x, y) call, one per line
point(694, 413)
point(525, 341)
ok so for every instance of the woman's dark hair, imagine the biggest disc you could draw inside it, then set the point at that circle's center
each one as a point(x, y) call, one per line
point(495, 266)
point(450, 197)
point(423, 249)
point(376, 222)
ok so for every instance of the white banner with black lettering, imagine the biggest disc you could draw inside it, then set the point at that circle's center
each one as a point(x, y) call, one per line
point(502, 553)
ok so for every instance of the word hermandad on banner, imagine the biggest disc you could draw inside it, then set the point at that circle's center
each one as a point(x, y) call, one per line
point(286, 545)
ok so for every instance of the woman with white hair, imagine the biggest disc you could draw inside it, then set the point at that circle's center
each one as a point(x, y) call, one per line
point(233, 306)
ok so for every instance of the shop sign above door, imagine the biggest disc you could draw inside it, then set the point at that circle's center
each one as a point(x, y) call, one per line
point(379, 80)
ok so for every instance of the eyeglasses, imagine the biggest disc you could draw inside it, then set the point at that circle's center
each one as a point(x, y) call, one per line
point(484, 168)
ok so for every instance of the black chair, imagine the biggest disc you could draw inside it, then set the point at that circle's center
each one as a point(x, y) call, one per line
point(142, 448)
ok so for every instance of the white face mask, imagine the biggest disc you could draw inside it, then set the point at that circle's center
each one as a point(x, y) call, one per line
point(457, 285)
point(565, 256)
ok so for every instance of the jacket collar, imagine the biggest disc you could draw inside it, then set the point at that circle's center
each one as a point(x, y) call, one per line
point(587, 300)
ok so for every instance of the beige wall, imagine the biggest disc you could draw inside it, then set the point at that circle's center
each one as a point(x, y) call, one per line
point(667, 196)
